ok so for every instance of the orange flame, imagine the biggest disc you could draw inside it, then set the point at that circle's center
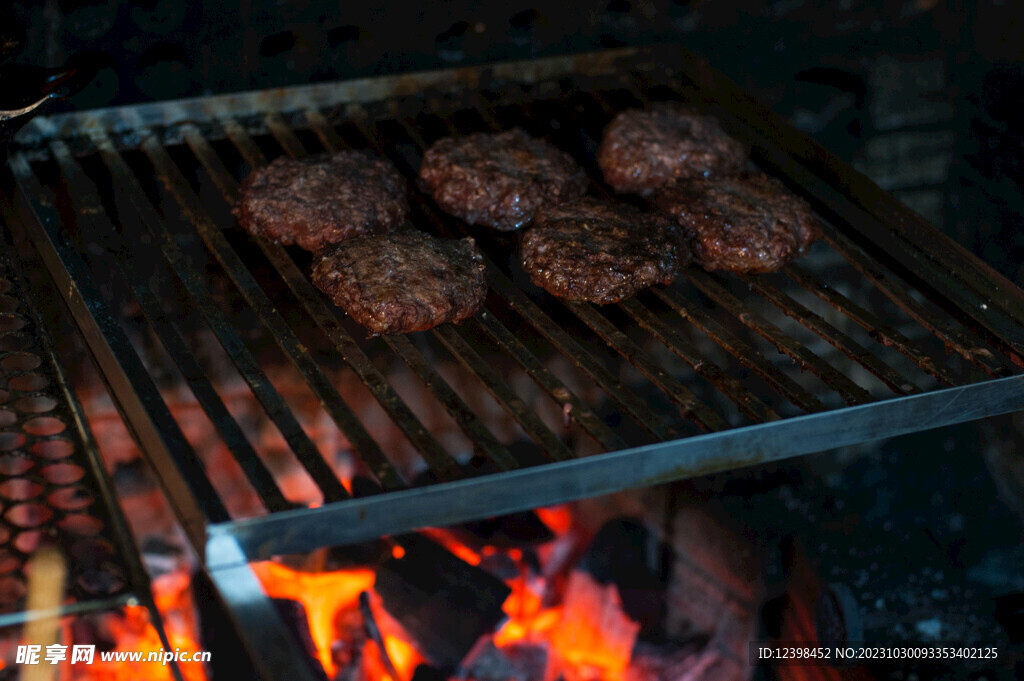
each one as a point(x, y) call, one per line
point(324, 595)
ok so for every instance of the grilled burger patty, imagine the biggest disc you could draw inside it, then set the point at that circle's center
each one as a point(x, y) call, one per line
point(403, 282)
point(599, 251)
point(644, 149)
point(323, 199)
point(745, 223)
point(499, 180)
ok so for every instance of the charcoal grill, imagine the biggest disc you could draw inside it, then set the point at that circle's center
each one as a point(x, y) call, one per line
point(888, 327)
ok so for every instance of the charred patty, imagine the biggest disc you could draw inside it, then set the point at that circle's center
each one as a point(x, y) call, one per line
point(745, 223)
point(403, 282)
point(323, 199)
point(599, 251)
point(644, 149)
point(499, 180)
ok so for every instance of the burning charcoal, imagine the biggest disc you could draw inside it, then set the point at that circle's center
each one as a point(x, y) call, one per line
point(516, 662)
point(593, 630)
point(509, 531)
point(294, 616)
point(425, 672)
point(626, 554)
point(444, 603)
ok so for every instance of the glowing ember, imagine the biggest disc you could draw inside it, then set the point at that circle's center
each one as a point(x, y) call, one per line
point(324, 595)
point(593, 631)
point(134, 632)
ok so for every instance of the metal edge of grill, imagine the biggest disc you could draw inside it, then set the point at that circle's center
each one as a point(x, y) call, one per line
point(983, 309)
point(61, 468)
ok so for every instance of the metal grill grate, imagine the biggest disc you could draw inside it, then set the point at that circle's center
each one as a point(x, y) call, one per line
point(53, 488)
point(884, 328)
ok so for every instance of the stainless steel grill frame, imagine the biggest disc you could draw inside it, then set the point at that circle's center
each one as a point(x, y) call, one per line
point(84, 219)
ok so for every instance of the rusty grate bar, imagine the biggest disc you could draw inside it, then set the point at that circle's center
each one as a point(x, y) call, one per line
point(540, 433)
point(131, 193)
point(96, 227)
point(515, 299)
point(899, 384)
point(847, 389)
point(744, 399)
point(895, 288)
point(876, 328)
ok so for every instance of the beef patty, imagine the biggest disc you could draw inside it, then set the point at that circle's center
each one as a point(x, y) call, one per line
point(745, 223)
point(403, 282)
point(499, 180)
point(644, 149)
point(599, 251)
point(323, 199)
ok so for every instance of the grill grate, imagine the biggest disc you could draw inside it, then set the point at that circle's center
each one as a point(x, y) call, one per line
point(53, 487)
point(714, 372)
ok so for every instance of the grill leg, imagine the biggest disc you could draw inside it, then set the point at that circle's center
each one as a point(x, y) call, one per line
point(272, 646)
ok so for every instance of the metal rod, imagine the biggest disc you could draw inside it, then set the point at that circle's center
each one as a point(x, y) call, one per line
point(553, 332)
point(847, 389)
point(447, 503)
point(676, 391)
point(744, 399)
point(839, 340)
point(271, 644)
point(90, 213)
point(553, 447)
point(896, 289)
point(264, 391)
point(878, 330)
point(159, 437)
point(575, 408)
point(746, 354)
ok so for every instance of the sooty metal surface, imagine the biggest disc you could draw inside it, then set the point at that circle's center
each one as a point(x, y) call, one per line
point(886, 327)
point(53, 488)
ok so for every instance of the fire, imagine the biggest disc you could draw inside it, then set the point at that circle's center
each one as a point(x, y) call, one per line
point(323, 594)
point(134, 632)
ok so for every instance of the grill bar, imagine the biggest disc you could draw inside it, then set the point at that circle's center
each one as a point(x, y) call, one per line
point(461, 350)
point(676, 391)
point(328, 322)
point(133, 198)
point(747, 355)
point(501, 391)
point(877, 329)
point(572, 404)
point(851, 348)
point(895, 288)
point(90, 213)
point(448, 503)
point(744, 399)
point(847, 389)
